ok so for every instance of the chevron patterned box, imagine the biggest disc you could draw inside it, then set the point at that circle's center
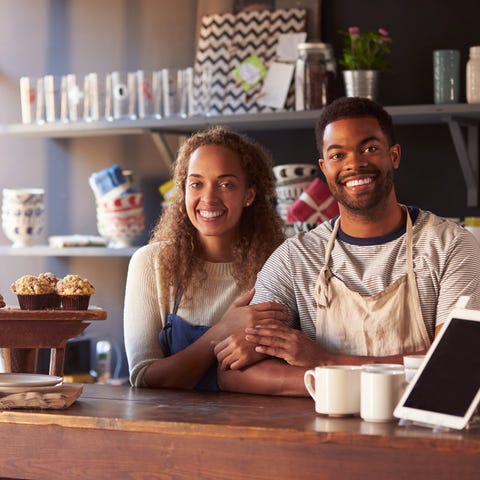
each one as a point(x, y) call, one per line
point(226, 41)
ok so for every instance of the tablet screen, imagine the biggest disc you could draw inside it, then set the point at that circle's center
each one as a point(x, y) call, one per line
point(450, 380)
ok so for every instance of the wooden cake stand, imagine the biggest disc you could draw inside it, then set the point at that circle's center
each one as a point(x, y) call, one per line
point(23, 332)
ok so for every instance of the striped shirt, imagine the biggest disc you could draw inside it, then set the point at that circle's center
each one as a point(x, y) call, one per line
point(446, 266)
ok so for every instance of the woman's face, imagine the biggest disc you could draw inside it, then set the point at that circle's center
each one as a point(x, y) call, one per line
point(216, 192)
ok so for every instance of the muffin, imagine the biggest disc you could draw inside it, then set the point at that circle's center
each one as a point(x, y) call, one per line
point(33, 293)
point(75, 292)
point(52, 280)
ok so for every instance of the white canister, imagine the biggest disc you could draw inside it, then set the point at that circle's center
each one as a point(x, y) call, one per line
point(473, 76)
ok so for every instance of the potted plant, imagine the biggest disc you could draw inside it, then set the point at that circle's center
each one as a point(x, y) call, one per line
point(364, 56)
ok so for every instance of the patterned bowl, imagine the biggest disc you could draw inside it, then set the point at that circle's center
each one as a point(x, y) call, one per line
point(23, 226)
point(122, 203)
point(294, 172)
point(121, 228)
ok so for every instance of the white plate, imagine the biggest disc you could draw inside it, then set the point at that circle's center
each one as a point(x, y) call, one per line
point(11, 390)
point(28, 380)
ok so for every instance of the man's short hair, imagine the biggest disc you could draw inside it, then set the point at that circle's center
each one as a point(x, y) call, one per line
point(353, 107)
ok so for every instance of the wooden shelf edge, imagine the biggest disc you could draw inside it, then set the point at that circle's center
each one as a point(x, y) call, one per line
point(281, 120)
point(46, 251)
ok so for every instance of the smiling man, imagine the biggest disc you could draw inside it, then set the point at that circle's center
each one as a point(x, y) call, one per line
point(371, 285)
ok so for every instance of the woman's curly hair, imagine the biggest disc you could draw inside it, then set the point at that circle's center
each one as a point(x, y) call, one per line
point(261, 229)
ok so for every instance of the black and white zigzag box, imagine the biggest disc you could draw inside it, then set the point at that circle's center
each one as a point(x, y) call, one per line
point(227, 40)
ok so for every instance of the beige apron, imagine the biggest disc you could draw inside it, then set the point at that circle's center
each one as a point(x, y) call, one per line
point(388, 323)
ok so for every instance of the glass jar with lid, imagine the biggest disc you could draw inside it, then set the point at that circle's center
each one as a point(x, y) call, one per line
point(315, 73)
point(473, 75)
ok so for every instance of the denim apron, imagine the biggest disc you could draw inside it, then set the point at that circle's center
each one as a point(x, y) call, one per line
point(178, 334)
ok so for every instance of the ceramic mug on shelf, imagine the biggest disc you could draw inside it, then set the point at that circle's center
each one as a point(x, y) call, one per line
point(23, 215)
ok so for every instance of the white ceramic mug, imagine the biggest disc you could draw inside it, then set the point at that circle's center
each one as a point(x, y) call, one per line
point(335, 389)
point(380, 392)
point(411, 363)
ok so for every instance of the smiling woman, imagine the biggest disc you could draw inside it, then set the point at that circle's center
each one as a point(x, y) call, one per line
point(215, 196)
point(205, 252)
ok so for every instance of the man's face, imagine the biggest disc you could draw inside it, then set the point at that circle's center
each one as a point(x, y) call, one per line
point(358, 163)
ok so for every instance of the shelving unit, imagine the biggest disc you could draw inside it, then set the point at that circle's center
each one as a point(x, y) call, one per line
point(461, 119)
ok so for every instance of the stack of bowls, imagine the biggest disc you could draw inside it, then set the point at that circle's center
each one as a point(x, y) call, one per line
point(121, 219)
point(23, 215)
point(291, 180)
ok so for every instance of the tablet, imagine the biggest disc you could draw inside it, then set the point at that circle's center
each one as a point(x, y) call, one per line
point(445, 391)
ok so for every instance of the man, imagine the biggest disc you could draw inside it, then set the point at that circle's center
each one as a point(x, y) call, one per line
point(372, 285)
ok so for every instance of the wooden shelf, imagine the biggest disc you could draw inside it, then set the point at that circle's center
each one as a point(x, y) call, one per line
point(402, 115)
point(46, 251)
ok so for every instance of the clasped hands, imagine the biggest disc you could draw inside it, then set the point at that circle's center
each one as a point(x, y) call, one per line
point(265, 333)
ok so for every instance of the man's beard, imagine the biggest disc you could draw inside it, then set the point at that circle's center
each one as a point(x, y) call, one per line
point(370, 200)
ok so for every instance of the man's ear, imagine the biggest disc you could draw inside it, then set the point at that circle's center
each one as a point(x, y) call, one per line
point(395, 154)
point(321, 164)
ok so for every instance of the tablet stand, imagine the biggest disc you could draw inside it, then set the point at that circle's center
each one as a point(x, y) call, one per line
point(474, 422)
point(403, 422)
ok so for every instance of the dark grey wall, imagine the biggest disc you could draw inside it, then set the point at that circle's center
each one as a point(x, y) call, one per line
point(430, 174)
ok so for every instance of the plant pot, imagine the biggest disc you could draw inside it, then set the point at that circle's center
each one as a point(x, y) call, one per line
point(362, 83)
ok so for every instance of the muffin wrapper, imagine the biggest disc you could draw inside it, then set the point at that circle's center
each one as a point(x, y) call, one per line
point(75, 302)
point(42, 301)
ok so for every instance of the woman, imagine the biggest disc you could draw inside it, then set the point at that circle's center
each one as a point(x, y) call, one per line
point(204, 254)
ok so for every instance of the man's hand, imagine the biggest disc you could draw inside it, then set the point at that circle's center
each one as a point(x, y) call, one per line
point(278, 340)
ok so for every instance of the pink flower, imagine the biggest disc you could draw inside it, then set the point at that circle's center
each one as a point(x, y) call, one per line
point(353, 30)
point(383, 32)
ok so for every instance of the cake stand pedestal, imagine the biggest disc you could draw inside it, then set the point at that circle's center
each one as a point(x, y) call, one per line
point(23, 332)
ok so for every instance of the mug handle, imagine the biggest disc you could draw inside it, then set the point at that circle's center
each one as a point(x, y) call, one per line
point(309, 380)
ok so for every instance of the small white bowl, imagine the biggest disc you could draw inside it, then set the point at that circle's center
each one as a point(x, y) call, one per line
point(23, 196)
point(294, 171)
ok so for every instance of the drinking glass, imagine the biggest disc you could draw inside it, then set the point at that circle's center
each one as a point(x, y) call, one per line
point(32, 99)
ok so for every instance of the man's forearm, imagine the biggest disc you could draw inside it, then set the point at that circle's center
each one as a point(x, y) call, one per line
point(267, 377)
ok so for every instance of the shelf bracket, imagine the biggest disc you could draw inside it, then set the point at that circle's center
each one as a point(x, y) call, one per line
point(166, 154)
point(466, 146)
point(164, 149)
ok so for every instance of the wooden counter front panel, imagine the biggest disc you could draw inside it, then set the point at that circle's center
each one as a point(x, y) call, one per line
point(53, 452)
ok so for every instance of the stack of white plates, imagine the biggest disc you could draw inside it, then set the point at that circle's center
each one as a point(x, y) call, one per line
point(28, 382)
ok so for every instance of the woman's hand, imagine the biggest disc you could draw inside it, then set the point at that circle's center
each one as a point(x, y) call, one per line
point(241, 315)
point(235, 352)
point(231, 348)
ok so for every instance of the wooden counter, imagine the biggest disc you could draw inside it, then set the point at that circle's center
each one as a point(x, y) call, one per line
point(120, 432)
